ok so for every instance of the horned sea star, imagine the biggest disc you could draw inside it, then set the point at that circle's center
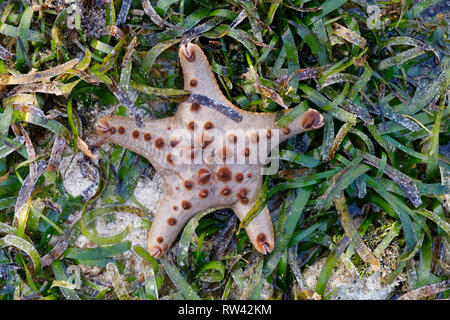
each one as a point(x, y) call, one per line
point(209, 154)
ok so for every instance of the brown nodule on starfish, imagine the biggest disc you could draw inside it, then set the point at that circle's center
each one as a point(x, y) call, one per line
point(195, 106)
point(226, 191)
point(261, 238)
point(239, 177)
point(169, 158)
point(191, 125)
point(246, 152)
point(135, 134)
point(171, 221)
point(203, 176)
point(193, 83)
point(224, 174)
point(188, 184)
point(121, 130)
point(244, 200)
point(208, 125)
point(242, 195)
point(203, 193)
point(112, 130)
point(173, 143)
point(186, 205)
point(147, 137)
point(286, 130)
point(159, 143)
point(160, 239)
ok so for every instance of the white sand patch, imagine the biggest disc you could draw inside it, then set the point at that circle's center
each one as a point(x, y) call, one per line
point(149, 191)
point(79, 176)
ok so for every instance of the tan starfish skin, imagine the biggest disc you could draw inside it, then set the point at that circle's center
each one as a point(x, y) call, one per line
point(201, 160)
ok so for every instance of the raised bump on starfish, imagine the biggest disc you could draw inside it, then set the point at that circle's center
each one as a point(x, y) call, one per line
point(207, 156)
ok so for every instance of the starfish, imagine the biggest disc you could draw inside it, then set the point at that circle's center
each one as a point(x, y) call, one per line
point(210, 154)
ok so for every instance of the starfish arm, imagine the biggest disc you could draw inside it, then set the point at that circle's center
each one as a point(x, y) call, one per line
point(147, 141)
point(198, 75)
point(260, 229)
point(170, 217)
point(164, 227)
point(311, 119)
point(199, 79)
